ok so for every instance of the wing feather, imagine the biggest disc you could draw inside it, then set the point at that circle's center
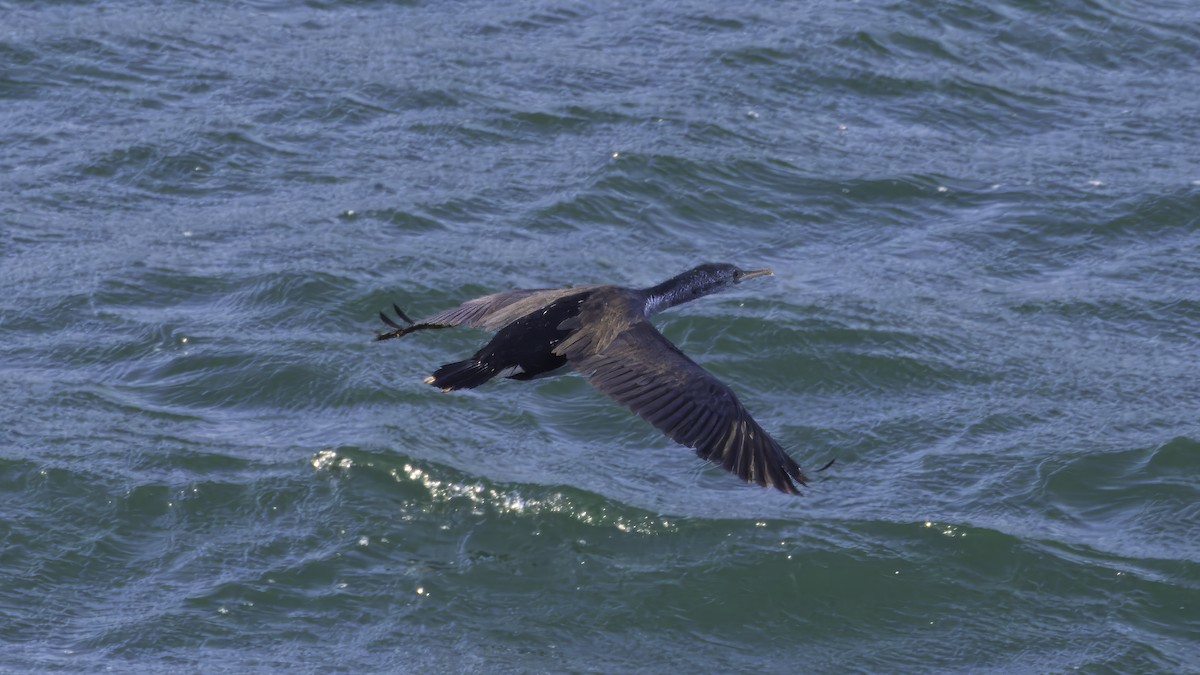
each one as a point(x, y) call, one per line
point(492, 312)
point(641, 369)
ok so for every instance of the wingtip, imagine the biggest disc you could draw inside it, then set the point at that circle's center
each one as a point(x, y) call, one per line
point(789, 487)
point(400, 313)
point(788, 478)
point(388, 320)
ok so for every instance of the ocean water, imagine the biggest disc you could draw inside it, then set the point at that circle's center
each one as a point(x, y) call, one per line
point(984, 220)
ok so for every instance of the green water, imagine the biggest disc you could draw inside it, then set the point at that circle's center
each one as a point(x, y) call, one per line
point(983, 224)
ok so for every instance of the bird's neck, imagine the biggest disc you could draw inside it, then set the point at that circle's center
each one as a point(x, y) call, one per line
point(665, 296)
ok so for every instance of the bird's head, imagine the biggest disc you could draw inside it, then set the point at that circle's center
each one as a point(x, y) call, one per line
point(715, 277)
point(698, 282)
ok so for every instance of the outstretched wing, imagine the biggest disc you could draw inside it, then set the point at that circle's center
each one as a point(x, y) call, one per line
point(490, 312)
point(639, 368)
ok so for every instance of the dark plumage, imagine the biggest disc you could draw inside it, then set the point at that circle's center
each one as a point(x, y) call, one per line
point(604, 333)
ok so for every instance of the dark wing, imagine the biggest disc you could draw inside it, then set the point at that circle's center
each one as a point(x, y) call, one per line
point(490, 312)
point(641, 369)
point(497, 310)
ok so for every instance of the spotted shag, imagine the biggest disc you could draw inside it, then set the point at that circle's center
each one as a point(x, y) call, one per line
point(605, 334)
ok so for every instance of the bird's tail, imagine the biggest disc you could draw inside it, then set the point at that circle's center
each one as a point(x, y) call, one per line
point(461, 375)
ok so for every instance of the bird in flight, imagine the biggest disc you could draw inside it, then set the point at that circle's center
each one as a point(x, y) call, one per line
point(604, 333)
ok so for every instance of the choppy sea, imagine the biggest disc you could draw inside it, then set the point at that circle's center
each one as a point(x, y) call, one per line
point(984, 221)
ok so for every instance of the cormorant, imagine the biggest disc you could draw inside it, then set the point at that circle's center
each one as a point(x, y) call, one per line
point(605, 334)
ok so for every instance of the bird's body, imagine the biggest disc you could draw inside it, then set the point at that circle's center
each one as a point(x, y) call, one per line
point(604, 333)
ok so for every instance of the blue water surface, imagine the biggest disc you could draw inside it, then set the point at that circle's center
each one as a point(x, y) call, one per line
point(984, 221)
